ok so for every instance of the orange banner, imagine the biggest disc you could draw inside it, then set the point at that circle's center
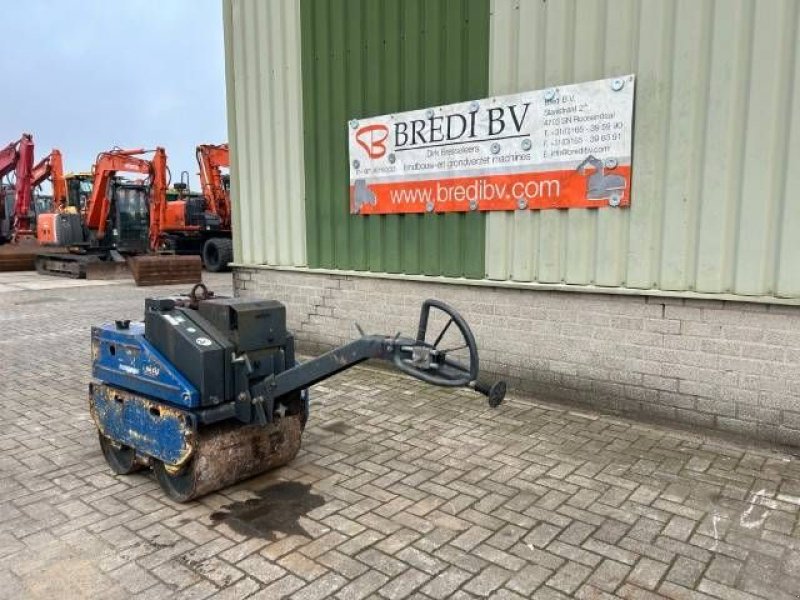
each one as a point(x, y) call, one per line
point(588, 187)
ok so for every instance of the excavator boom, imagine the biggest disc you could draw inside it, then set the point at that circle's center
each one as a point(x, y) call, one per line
point(158, 197)
point(212, 158)
point(23, 195)
point(52, 167)
point(8, 158)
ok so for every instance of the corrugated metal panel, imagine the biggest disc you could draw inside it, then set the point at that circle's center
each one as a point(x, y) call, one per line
point(262, 42)
point(716, 144)
point(369, 57)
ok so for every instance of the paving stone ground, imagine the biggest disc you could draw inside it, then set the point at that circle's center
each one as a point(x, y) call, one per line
point(400, 490)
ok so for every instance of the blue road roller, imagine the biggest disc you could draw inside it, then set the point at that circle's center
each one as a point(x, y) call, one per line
point(206, 390)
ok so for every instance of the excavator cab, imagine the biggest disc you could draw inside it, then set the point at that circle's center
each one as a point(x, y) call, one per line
point(129, 216)
point(41, 203)
point(79, 190)
point(127, 224)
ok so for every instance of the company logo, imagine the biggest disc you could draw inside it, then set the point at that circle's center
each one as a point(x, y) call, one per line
point(372, 138)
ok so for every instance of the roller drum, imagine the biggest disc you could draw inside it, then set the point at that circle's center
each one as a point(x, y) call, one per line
point(229, 453)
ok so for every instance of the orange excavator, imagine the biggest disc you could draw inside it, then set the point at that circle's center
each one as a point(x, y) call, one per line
point(16, 216)
point(117, 220)
point(197, 224)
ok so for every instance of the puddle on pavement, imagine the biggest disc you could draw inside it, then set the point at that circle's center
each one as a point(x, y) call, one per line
point(335, 427)
point(277, 509)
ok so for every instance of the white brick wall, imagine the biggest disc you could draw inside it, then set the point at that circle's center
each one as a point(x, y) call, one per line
point(728, 365)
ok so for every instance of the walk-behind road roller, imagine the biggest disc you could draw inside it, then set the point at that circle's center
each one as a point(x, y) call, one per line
point(207, 390)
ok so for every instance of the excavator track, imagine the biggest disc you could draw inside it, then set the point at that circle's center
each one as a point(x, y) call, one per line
point(61, 265)
point(81, 266)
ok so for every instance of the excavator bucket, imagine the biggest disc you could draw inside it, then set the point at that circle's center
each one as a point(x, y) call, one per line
point(166, 269)
point(107, 269)
point(19, 256)
point(16, 257)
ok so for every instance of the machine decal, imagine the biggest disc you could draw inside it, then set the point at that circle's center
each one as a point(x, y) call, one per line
point(562, 147)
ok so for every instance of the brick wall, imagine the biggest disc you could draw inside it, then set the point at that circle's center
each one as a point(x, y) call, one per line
point(727, 365)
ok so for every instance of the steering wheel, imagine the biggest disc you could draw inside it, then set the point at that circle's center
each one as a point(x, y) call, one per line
point(430, 363)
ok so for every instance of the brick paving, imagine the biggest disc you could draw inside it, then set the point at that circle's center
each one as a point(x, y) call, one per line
point(399, 491)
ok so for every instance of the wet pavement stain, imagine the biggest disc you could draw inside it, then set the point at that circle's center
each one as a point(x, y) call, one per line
point(335, 427)
point(277, 509)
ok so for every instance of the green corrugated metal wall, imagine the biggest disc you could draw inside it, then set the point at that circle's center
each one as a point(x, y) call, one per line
point(368, 57)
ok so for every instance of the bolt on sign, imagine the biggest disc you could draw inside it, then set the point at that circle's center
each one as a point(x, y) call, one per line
point(561, 147)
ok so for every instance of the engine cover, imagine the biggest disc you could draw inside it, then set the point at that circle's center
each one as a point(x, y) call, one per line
point(249, 324)
point(122, 357)
point(60, 229)
point(222, 346)
point(193, 346)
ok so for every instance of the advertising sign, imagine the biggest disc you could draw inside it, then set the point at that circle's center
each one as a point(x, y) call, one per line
point(562, 147)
